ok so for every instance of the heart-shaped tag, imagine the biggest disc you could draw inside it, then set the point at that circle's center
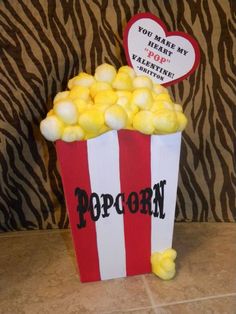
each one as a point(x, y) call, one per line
point(166, 57)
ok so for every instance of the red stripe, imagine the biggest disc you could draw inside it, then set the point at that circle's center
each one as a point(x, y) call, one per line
point(135, 175)
point(74, 171)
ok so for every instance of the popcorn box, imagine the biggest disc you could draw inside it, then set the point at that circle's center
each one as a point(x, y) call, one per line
point(120, 190)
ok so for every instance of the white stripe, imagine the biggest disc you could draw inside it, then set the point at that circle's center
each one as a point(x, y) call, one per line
point(103, 159)
point(165, 152)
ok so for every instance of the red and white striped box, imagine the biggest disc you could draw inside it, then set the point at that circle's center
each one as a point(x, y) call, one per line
point(120, 191)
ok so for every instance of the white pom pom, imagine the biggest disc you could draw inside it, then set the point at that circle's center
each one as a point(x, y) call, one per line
point(51, 128)
point(128, 70)
point(66, 111)
point(105, 73)
point(116, 118)
point(142, 98)
point(142, 82)
point(83, 79)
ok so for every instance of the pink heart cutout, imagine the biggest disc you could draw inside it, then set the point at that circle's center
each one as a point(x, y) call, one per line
point(166, 57)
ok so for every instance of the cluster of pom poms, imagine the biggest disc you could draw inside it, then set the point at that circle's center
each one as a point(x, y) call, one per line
point(111, 100)
point(163, 264)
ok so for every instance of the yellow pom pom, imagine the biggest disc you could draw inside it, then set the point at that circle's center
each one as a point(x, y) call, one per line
point(131, 114)
point(163, 264)
point(83, 79)
point(142, 98)
point(105, 73)
point(124, 101)
point(167, 263)
point(90, 135)
point(81, 92)
point(124, 97)
point(70, 83)
point(128, 70)
point(66, 111)
point(114, 100)
point(143, 122)
point(107, 97)
point(159, 89)
point(162, 97)
point(164, 274)
point(51, 128)
point(101, 107)
point(171, 253)
point(142, 82)
point(72, 133)
point(122, 81)
point(127, 105)
point(50, 113)
point(116, 118)
point(91, 120)
point(160, 105)
point(178, 108)
point(98, 87)
point(165, 122)
point(60, 96)
point(81, 105)
point(182, 121)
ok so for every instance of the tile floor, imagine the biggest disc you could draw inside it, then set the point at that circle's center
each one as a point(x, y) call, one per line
point(38, 275)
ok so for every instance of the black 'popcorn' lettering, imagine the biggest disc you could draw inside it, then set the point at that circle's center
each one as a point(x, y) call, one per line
point(148, 201)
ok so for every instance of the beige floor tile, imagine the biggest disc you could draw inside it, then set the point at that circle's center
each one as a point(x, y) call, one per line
point(38, 275)
point(224, 305)
point(205, 264)
point(136, 311)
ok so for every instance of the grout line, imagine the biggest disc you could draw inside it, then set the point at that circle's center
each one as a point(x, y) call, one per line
point(129, 310)
point(149, 293)
point(197, 299)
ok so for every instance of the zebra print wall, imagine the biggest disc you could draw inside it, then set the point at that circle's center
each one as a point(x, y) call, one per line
point(43, 43)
